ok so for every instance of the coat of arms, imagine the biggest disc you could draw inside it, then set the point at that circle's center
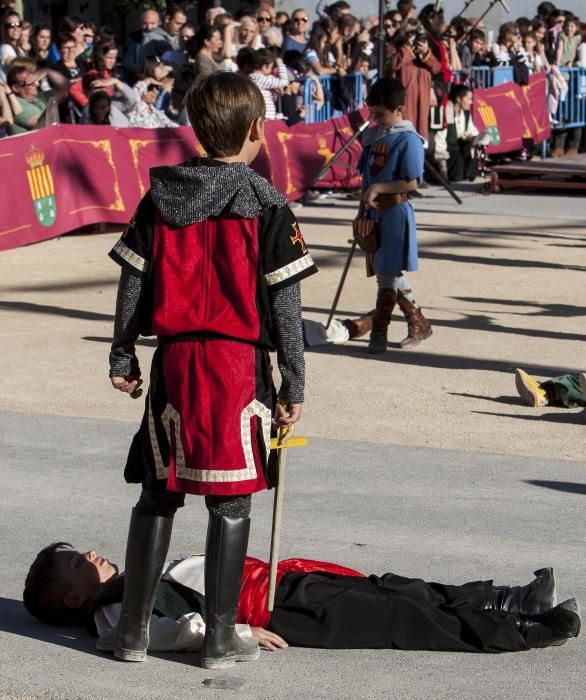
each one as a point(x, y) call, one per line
point(40, 181)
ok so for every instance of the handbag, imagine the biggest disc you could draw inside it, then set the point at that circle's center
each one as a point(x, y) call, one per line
point(365, 232)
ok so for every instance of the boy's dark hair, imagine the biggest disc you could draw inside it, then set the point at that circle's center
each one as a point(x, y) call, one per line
point(459, 91)
point(245, 59)
point(476, 34)
point(388, 93)
point(221, 109)
point(262, 57)
point(44, 592)
point(63, 38)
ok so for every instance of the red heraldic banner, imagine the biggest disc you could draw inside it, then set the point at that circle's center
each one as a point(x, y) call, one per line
point(514, 115)
point(64, 177)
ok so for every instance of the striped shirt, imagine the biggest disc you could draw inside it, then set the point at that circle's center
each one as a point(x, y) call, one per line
point(267, 83)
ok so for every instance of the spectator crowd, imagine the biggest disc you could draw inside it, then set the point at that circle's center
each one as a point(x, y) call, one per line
point(85, 74)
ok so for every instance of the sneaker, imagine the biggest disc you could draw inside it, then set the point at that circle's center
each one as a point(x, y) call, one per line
point(530, 389)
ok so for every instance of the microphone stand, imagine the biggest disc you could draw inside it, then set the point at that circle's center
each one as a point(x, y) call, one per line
point(467, 4)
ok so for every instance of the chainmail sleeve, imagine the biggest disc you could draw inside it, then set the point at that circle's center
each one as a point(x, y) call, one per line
point(288, 329)
point(123, 361)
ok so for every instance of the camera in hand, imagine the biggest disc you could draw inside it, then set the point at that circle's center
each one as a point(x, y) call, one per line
point(421, 37)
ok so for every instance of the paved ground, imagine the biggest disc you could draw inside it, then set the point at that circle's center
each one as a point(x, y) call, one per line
point(423, 462)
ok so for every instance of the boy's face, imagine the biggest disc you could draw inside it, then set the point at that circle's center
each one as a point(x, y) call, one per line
point(266, 68)
point(85, 573)
point(385, 117)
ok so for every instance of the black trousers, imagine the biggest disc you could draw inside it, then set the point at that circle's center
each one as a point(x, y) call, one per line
point(390, 612)
point(462, 163)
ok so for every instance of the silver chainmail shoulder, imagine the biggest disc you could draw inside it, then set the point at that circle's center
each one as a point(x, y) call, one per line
point(288, 328)
point(192, 192)
point(123, 360)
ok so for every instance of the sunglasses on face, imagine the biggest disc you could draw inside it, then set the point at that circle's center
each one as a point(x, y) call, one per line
point(89, 36)
point(301, 19)
point(264, 19)
point(13, 25)
point(68, 48)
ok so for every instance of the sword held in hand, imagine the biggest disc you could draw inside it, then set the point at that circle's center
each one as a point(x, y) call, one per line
point(295, 441)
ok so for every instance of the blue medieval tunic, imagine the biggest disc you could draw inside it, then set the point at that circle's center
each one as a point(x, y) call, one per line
point(388, 155)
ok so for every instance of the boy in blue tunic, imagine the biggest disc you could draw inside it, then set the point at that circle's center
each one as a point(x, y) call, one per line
point(392, 166)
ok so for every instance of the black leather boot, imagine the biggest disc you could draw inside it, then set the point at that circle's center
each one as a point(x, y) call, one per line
point(226, 545)
point(537, 597)
point(551, 628)
point(146, 551)
point(386, 299)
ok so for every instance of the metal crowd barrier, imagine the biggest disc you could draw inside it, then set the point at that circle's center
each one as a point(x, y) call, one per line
point(353, 87)
point(571, 112)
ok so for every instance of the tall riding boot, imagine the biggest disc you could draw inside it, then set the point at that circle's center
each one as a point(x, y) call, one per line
point(386, 299)
point(551, 628)
point(419, 328)
point(532, 599)
point(226, 545)
point(146, 551)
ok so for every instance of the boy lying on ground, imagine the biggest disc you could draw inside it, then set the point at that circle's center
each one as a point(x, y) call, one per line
point(317, 604)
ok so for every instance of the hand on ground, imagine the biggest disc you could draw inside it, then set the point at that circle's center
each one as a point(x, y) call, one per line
point(268, 640)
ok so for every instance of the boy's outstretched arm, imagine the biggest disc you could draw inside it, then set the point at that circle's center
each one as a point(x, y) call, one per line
point(285, 305)
point(124, 367)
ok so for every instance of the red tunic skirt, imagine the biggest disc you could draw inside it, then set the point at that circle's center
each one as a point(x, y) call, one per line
point(207, 423)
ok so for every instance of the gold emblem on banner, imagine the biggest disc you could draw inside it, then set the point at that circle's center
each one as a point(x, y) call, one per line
point(41, 185)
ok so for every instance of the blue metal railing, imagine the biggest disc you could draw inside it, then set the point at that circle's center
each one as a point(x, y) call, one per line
point(571, 112)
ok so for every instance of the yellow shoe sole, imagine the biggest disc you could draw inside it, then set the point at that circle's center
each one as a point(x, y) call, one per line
point(529, 389)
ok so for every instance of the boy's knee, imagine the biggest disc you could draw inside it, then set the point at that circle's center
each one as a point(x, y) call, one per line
point(161, 503)
point(229, 506)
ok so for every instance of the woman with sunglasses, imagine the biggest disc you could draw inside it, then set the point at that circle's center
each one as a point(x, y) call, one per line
point(508, 46)
point(10, 48)
point(296, 39)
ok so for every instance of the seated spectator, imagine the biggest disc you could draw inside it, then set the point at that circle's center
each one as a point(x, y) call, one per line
point(296, 39)
point(454, 145)
point(40, 44)
point(38, 108)
point(536, 60)
point(568, 41)
point(292, 105)
point(156, 74)
point(245, 60)
point(11, 30)
point(102, 77)
point(268, 83)
point(178, 57)
point(9, 106)
point(248, 34)
point(132, 53)
point(272, 38)
point(70, 24)
point(202, 49)
point(68, 64)
point(165, 38)
point(145, 114)
point(318, 54)
point(102, 112)
point(282, 20)
point(24, 43)
point(265, 17)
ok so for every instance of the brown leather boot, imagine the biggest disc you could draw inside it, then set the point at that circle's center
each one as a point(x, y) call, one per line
point(357, 327)
point(419, 327)
point(386, 299)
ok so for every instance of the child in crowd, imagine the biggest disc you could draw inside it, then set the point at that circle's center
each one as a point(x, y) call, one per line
point(269, 84)
point(317, 604)
point(292, 105)
point(391, 166)
point(211, 264)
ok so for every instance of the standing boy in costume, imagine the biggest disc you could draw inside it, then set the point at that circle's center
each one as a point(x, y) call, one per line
point(211, 264)
point(392, 166)
point(317, 604)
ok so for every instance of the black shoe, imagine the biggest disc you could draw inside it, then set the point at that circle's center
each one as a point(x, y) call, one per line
point(146, 551)
point(226, 545)
point(551, 628)
point(536, 597)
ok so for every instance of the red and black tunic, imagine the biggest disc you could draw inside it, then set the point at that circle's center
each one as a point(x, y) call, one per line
point(207, 422)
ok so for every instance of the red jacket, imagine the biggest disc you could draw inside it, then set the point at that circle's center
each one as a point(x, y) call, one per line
point(252, 606)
